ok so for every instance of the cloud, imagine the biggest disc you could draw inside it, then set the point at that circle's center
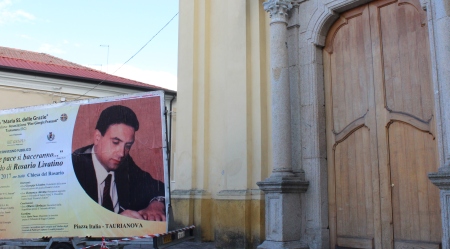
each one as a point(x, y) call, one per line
point(7, 15)
point(66, 43)
point(156, 78)
point(27, 37)
point(26, 15)
point(4, 3)
point(50, 49)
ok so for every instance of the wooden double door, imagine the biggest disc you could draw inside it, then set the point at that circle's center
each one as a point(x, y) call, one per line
point(381, 129)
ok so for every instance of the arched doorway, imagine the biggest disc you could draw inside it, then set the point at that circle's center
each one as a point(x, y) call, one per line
point(381, 128)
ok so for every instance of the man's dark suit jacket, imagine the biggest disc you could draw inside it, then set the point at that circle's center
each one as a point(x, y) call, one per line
point(135, 187)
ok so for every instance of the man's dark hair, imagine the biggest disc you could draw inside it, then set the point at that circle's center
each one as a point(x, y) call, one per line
point(116, 114)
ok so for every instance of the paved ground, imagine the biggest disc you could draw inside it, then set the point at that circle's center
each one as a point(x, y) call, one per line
point(185, 245)
point(191, 244)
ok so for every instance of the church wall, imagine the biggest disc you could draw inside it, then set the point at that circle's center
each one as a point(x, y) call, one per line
point(222, 122)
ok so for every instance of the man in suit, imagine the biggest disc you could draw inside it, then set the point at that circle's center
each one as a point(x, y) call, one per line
point(109, 175)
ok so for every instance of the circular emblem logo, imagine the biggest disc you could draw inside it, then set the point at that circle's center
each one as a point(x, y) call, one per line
point(63, 117)
point(50, 136)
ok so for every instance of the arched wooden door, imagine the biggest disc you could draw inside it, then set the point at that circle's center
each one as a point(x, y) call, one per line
point(381, 129)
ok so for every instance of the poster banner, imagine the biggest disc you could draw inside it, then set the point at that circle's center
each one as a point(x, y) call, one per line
point(55, 162)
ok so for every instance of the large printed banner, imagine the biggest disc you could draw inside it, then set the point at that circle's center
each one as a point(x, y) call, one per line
point(88, 168)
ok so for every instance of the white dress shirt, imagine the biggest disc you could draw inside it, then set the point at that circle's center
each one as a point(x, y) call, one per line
point(101, 174)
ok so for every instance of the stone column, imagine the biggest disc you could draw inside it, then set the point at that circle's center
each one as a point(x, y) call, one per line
point(441, 21)
point(282, 189)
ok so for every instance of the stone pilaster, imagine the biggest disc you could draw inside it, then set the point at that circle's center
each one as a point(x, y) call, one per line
point(282, 189)
point(442, 180)
point(441, 21)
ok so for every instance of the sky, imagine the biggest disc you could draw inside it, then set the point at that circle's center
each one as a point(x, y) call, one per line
point(102, 34)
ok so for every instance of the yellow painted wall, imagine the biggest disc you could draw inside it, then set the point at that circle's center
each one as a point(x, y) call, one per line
point(223, 117)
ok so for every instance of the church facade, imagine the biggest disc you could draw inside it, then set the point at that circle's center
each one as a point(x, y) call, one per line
point(314, 123)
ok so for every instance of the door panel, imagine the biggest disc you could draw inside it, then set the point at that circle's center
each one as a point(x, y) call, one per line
point(405, 60)
point(405, 109)
point(351, 56)
point(351, 124)
point(416, 210)
point(354, 201)
point(380, 126)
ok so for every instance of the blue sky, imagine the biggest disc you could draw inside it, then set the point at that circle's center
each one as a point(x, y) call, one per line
point(74, 30)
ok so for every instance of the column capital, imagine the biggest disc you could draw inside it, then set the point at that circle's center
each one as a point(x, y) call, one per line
point(278, 9)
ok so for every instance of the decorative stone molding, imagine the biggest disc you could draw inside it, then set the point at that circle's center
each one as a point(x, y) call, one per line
point(326, 15)
point(296, 3)
point(283, 185)
point(282, 169)
point(424, 4)
point(440, 179)
point(283, 212)
point(240, 194)
point(278, 9)
point(190, 194)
